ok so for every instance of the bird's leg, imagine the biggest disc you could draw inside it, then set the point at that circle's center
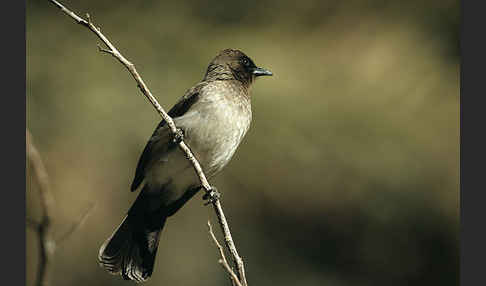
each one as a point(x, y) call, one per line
point(212, 196)
point(178, 136)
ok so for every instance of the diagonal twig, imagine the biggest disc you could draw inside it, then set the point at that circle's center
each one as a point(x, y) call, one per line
point(228, 240)
point(76, 225)
point(223, 261)
point(113, 51)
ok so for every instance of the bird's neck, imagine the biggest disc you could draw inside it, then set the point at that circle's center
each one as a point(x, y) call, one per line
point(222, 72)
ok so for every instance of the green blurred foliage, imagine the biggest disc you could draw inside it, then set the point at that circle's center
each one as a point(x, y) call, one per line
point(348, 176)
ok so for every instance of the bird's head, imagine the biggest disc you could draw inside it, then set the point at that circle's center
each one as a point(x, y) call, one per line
point(234, 64)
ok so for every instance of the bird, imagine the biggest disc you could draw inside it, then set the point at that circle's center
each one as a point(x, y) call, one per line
point(213, 117)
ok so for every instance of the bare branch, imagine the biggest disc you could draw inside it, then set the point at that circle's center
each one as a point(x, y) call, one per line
point(224, 263)
point(237, 260)
point(182, 145)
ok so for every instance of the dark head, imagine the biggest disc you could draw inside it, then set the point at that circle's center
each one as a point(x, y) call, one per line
point(233, 64)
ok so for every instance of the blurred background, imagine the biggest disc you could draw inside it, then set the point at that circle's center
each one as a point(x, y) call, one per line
point(348, 176)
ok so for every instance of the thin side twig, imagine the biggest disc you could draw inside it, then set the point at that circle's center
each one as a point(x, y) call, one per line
point(224, 263)
point(228, 240)
point(75, 226)
point(113, 51)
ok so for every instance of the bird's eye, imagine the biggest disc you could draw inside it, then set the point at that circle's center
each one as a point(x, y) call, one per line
point(245, 62)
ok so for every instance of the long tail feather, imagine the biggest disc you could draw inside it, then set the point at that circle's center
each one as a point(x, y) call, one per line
point(131, 250)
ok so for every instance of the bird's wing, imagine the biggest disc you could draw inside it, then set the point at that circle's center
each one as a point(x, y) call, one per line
point(179, 109)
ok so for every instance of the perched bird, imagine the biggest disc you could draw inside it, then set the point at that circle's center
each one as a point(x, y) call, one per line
point(214, 116)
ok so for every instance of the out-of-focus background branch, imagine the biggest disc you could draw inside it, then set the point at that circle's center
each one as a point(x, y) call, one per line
point(360, 186)
point(46, 243)
point(42, 227)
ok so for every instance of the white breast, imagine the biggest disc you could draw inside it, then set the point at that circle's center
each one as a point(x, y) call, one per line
point(215, 127)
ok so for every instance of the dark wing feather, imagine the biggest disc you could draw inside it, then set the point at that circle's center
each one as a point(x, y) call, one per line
point(179, 109)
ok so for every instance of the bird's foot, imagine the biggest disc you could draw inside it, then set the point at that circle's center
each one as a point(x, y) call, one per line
point(178, 136)
point(212, 196)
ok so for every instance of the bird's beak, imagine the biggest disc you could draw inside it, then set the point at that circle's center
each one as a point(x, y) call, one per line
point(261, 71)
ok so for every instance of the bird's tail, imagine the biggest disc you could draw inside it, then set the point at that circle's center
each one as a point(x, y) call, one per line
point(130, 251)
